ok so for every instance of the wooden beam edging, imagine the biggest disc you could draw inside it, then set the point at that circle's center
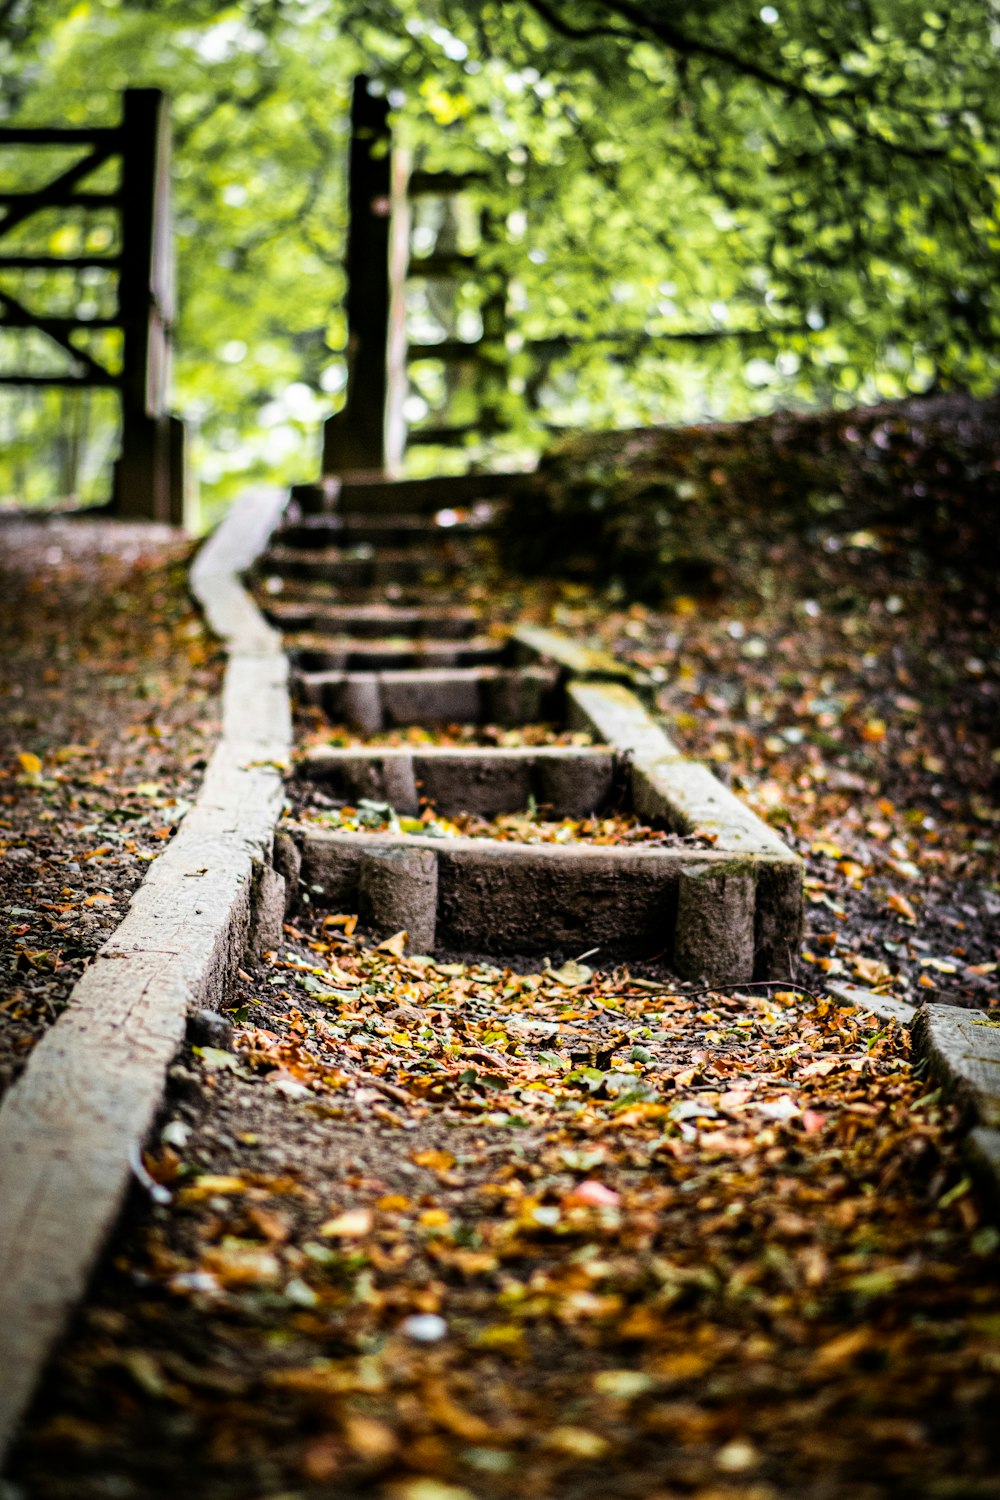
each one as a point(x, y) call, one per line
point(72, 1123)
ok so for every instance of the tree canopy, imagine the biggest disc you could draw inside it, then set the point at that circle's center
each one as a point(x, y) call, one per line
point(702, 210)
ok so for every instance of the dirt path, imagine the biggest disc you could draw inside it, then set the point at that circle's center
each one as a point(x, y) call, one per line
point(446, 1231)
point(108, 683)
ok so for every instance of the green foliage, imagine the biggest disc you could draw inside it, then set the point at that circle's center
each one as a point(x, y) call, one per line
point(703, 210)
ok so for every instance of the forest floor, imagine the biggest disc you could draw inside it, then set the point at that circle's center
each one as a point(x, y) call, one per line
point(447, 1232)
point(109, 684)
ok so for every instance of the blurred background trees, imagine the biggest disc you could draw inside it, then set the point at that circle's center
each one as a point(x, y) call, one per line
point(701, 210)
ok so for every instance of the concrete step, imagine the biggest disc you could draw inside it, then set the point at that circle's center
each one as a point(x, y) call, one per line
point(366, 567)
point(372, 621)
point(570, 781)
point(353, 530)
point(374, 494)
point(491, 897)
point(371, 701)
point(318, 653)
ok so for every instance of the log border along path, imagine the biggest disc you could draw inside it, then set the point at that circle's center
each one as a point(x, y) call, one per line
point(72, 1128)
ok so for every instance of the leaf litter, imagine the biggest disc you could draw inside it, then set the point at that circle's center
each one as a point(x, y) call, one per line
point(445, 1229)
point(108, 681)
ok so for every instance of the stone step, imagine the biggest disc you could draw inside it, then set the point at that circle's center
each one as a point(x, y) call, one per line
point(372, 621)
point(490, 897)
point(371, 701)
point(367, 568)
point(574, 782)
point(317, 653)
point(380, 531)
point(374, 494)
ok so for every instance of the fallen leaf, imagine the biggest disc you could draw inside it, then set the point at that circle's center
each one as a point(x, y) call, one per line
point(903, 907)
point(353, 1224)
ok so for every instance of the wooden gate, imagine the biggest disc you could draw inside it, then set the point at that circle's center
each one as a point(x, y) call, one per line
point(149, 474)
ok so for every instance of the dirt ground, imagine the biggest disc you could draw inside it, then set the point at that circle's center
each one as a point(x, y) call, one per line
point(108, 686)
point(443, 1232)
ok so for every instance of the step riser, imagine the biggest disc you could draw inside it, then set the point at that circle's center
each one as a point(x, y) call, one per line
point(400, 658)
point(502, 899)
point(353, 531)
point(376, 495)
point(367, 572)
point(369, 702)
point(346, 620)
point(571, 784)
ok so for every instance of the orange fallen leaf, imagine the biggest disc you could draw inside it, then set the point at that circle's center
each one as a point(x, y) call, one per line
point(592, 1194)
point(903, 907)
point(436, 1161)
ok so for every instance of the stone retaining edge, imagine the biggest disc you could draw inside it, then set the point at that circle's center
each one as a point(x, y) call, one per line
point(962, 1048)
point(76, 1118)
point(962, 1051)
point(665, 784)
point(882, 1006)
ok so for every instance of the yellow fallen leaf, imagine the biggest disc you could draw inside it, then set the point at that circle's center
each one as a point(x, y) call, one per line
point(211, 1185)
point(242, 1264)
point(577, 1442)
point(351, 1225)
point(394, 945)
point(393, 1203)
point(902, 906)
point(369, 1438)
point(425, 1488)
point(341, 919)
point(437, 1161)
point(30, 764)
point(869, 969)
point(839, 1351)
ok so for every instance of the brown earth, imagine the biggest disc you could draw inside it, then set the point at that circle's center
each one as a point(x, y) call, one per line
point(109, 684)
point(443, 1232)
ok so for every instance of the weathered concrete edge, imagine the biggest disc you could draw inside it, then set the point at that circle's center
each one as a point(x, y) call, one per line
point(665, 781)
point(962, 1049)
point(882, 1006)
point(74, 1120)
point(665, 784)
point(538, 643)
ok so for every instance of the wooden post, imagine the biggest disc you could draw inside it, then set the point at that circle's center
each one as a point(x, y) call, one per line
point(495, 375)
point(149, 476)
point(399, 263)
point(355, 437)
